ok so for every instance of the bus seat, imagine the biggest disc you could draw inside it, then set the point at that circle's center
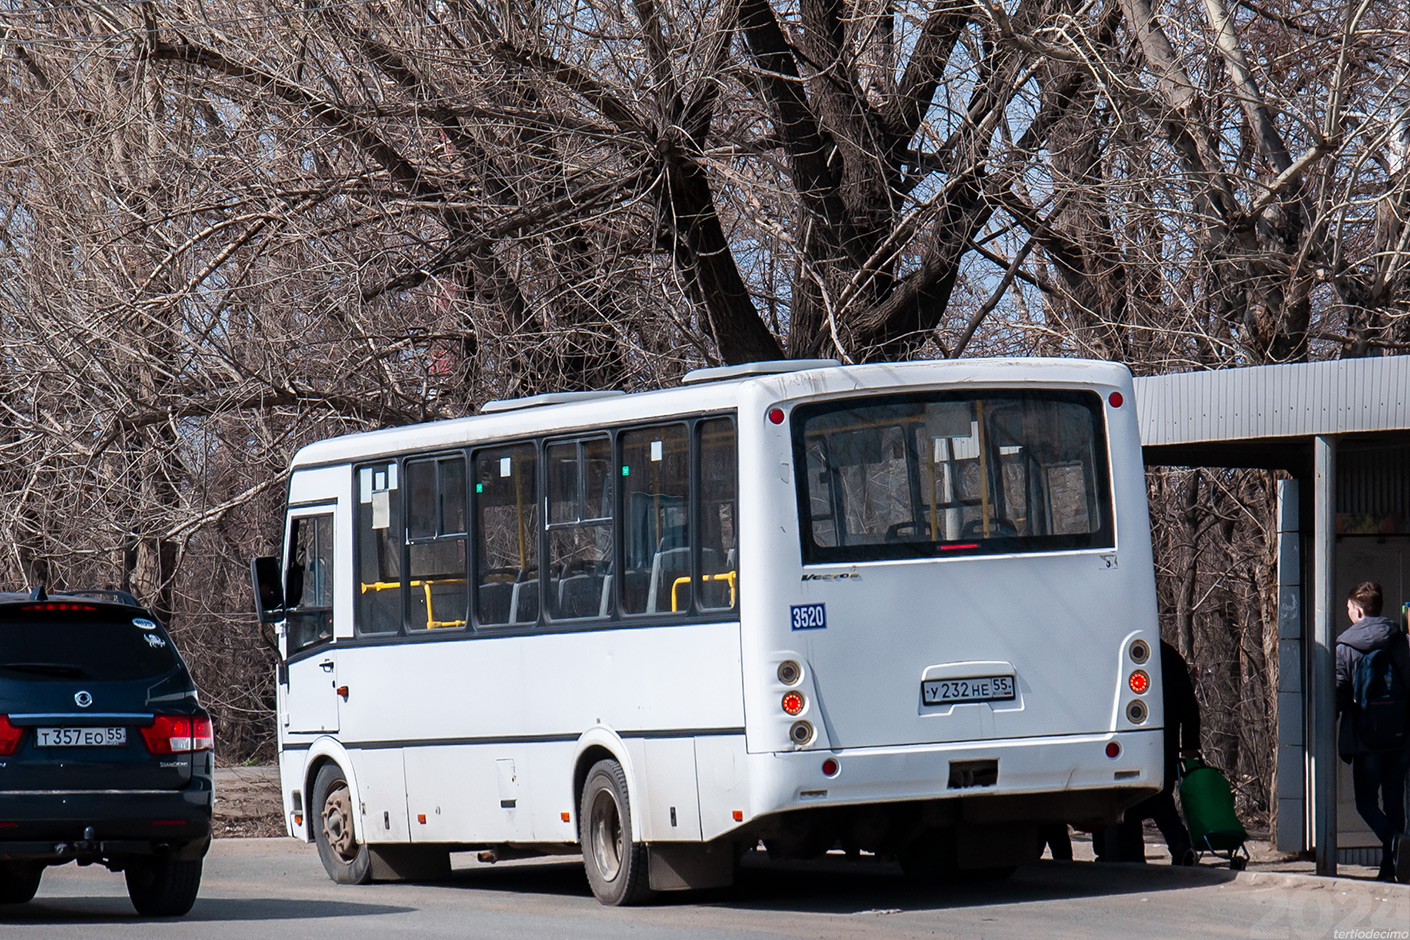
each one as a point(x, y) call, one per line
point(525, 601)
point(634, 590)
point(579, 595)
point(673, 537)
point(604, 603)
point(666, 568)
point(494, 601)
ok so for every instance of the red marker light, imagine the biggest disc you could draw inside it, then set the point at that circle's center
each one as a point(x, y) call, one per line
point(830, 767)
point(1113, 749)
point(792, 702)
point(1139, 682)
point(776, 415)
point(1115, 399)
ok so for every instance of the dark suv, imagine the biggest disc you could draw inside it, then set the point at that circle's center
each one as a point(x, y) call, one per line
point(105, 752)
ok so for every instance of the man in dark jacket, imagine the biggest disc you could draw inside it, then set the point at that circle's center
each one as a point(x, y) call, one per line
point(1377, 776)
point(1181, 737)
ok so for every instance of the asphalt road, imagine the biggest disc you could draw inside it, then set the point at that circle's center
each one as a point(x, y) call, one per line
point(275, 888)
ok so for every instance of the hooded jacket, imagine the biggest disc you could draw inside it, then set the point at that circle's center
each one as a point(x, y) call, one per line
point(1368, 633)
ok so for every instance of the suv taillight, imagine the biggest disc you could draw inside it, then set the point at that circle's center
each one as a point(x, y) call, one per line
point(170, 734)
point(9, 736)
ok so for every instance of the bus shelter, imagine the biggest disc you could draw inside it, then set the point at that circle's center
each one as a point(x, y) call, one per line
point(1341, 430)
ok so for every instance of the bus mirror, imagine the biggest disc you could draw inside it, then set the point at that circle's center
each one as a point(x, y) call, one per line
point(269, 593)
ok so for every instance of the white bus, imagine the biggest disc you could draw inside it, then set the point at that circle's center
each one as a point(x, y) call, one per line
point(901, 609)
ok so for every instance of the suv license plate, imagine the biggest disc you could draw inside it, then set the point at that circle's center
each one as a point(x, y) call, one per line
point(956, 691)
point(81, 737)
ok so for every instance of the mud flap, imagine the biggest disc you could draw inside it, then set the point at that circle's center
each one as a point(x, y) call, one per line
point(192, 851)
point(684, 866)
point(408, 863)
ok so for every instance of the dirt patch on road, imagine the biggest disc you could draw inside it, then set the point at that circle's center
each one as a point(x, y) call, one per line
point(247, 802)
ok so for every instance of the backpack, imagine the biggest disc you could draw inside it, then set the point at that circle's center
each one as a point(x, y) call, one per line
point(1382, 699)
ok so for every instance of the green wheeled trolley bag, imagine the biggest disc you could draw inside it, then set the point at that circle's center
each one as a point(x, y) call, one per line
point(1208, 805)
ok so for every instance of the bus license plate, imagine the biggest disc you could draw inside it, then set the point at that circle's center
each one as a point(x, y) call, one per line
point(81, 737)
point(956, 691)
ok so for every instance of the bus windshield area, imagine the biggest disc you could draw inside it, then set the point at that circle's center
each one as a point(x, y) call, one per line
point(951, 473)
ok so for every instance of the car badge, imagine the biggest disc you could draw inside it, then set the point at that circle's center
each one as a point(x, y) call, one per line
point(83, 699)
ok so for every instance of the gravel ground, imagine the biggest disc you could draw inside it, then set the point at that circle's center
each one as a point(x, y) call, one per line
point(247, 802)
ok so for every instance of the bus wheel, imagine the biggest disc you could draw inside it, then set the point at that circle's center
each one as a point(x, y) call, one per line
point(996, 873)
point(344, 858)
point(930, 858)
point(616, 866)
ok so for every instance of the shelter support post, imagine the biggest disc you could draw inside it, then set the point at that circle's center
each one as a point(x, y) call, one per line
point(1323, 671)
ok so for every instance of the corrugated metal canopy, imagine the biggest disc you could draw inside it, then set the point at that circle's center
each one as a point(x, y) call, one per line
point(1268, 403)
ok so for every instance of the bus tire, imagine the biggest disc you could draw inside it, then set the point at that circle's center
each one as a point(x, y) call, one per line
point(930, 858)
point(346, 860)
point(616, 865)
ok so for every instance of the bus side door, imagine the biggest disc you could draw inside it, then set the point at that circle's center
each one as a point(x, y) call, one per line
point(310, 677)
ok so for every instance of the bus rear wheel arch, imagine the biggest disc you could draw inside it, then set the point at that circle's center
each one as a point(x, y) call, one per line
point(616, 865)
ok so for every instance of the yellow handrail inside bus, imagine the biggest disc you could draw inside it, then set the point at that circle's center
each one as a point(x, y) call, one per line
point(730, 576)
point(431, 622)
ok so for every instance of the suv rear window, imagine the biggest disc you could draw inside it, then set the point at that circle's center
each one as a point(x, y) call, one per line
point(94, 646)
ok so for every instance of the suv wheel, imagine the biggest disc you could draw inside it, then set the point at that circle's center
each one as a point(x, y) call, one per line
point(19, 881)
point(163, 887)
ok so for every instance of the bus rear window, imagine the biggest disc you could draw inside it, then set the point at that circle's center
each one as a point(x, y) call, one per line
point(947, 473)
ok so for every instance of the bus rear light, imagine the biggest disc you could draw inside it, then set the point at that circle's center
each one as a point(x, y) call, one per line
point(1140, 682)
point(801, 732)
point(9, 736)
point(1113, 750)
point(1136, 712)
point(171, 734)
point(1140, 652)
point(830, 767)
point(793, 702)
point(1115, 399)
point(776, 416)
point(789, 672)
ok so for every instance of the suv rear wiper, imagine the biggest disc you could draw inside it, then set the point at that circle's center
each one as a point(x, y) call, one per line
point(67, 670)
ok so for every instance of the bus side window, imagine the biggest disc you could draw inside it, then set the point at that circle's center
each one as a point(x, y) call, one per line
point(506, 511)
point(656, 520)
point(435, 538)
point(379, 545)
point(309, 615)
point(579, 563)
point(719, 545)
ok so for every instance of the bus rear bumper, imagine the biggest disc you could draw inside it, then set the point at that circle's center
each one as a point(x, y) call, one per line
point(1062, 778)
